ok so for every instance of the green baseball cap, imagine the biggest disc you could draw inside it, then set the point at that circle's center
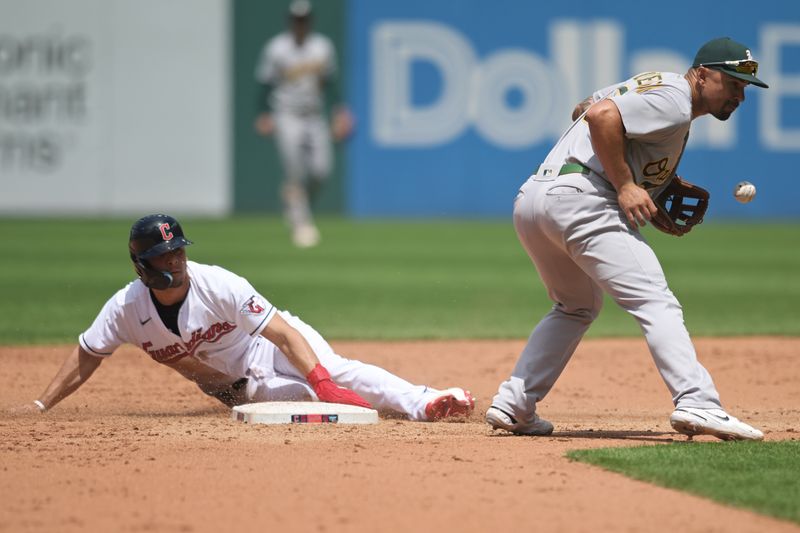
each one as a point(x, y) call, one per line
point(732, 58)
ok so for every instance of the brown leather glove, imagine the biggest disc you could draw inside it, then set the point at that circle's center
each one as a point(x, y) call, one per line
point(681, 206)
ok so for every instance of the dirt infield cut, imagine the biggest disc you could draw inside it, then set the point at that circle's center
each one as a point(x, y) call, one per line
point(140, 449)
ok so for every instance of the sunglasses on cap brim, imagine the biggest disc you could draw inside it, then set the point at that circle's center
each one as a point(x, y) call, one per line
point(742, 66)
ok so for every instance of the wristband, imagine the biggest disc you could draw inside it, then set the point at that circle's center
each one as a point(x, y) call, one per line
point(40, 405)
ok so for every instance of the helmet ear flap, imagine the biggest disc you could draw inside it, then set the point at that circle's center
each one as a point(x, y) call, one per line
point(155, 279)
point(151, 236)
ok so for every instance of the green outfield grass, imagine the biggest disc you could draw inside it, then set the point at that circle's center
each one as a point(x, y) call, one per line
point(760, 476)
point(394, 280)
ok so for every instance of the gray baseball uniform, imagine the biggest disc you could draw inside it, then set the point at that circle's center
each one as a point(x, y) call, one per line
point(298, 73)
point(568, 220)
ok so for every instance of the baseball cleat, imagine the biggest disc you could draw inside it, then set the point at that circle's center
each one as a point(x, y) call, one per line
point(693, 421)
point(305, 236)
point(499, 419)
point(449, 403)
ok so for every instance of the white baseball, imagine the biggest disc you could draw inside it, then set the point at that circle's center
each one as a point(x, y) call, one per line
point(744, 192)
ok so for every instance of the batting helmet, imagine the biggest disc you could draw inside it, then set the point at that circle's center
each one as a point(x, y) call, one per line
point(151, 236)
point(300, 9)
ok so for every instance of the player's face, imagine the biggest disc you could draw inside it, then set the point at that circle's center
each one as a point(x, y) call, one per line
point(300, 27)
point(173, 262)
point(722, 93)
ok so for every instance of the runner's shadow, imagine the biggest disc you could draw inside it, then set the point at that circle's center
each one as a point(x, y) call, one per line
point(198, 412)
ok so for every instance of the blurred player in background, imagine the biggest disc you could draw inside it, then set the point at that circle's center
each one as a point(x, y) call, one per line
point(295, 69)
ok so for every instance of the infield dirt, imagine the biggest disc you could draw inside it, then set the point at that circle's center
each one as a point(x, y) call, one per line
point(140, 449)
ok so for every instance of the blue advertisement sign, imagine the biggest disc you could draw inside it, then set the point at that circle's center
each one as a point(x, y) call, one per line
point(458, 101)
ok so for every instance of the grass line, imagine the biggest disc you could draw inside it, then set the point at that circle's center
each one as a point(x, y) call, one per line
point(760, 476)
point(394, 279)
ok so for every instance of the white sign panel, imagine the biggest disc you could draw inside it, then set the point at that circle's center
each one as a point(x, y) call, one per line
point(113, 107)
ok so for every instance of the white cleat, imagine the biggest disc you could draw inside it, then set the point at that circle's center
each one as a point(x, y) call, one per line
point(499, 419)
point(693, 421)
point(305, 236)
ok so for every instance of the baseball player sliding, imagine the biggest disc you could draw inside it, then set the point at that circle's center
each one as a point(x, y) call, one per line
point(294, 69)
point(216, 330)
point(578, 217)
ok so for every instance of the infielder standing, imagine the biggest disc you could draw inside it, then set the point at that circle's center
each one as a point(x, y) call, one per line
point(578, 217)
point(216, 330)
point(295, 68)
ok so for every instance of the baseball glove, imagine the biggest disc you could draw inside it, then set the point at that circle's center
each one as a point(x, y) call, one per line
point(681, 206)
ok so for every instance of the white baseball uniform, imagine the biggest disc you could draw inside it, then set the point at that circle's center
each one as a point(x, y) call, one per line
point(220, 322)
point(298, 73)
point(572, 228)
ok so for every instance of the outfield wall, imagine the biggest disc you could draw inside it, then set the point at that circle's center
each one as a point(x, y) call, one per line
point(114, 106)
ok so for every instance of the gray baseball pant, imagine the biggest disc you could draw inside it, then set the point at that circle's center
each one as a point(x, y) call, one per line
point(574, 232)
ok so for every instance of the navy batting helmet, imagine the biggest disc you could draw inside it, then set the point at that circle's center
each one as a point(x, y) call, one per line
point(151, 236)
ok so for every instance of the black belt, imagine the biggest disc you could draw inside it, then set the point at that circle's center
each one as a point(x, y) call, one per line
point(571, 168)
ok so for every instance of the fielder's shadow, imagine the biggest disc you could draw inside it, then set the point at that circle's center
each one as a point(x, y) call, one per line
point(643, 436)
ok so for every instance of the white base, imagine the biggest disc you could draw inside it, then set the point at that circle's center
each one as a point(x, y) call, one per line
point(303, 413)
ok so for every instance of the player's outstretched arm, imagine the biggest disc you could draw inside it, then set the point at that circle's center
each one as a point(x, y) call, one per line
point(264, 124)
point(291, 343)
point(581, 107)
point(342, 123)
point(302, 356)
point(73, 373)
point(608, 140)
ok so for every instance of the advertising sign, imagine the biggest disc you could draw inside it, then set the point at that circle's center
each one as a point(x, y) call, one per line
point(461, 100)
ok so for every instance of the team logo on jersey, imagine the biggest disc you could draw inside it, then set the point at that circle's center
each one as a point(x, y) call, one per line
point(173, 352)
point(253, 306)
point(657, 171)
point(166, 234)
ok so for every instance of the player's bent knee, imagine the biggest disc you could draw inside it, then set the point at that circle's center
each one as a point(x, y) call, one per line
point(582, 314)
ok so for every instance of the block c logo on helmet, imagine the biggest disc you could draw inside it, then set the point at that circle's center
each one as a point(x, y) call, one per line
point(166, 234)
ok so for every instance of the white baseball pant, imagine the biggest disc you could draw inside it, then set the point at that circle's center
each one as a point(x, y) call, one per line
point(384, 390)
point(304, 144)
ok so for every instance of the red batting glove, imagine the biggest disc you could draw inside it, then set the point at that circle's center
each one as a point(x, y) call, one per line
point(328, 391)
